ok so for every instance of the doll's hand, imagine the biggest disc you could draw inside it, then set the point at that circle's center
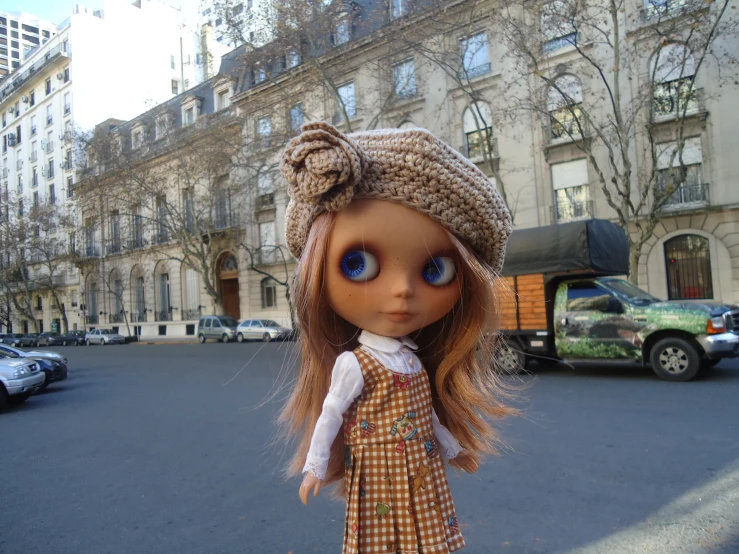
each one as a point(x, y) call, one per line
point(310, 481)
point(466, 461)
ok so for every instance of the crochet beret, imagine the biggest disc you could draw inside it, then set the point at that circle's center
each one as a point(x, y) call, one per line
point(326, 169)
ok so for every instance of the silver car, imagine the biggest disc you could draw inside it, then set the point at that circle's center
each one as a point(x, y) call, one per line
point(103, 336)
point(218, 327)
point(261, 329)
point(34, 354)
point(19, 379)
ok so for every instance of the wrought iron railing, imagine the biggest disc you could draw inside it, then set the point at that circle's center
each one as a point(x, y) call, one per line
point(164, 315)
point(188, 315)
point(92, 319)
point(687, 195)
point(116, 318)
point(138, 317)
point(570, 211)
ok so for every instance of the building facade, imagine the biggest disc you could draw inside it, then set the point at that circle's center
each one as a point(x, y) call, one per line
point(20, 33)
point(64, 88)
point(373, 72)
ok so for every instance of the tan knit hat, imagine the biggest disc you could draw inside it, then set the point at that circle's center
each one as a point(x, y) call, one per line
point(326, 169)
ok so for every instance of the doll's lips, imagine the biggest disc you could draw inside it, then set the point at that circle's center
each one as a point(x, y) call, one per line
point(399, 317)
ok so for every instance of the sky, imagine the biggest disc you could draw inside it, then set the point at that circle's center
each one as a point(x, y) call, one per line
point(57, 11)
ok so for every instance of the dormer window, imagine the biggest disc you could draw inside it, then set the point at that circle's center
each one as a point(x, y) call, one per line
point(191, 109)
point(223, 94)
point(342, 31)
point(137, 137)
point(292, 59)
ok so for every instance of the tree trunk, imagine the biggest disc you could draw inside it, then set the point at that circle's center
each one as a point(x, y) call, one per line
point(634, 255)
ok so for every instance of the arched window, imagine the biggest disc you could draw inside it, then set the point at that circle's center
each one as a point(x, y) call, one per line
point(192, 294)
point(269, 293)
point(564, 104)
point(116, 294)
point(92, 303)
point(672, 71)
point(688, 261)
point(477, 122)
point(139, 298)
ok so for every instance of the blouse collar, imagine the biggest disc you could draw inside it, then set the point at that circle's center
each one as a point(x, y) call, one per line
point(385, 344)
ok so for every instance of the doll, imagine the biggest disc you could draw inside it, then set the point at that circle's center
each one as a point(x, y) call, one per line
point(398, 239)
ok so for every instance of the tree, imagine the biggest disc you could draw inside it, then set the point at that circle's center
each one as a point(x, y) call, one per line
point(621, 86)
point(36, 256)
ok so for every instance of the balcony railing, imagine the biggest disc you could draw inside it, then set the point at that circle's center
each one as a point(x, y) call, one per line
point(138, 242)
point(49, 147)
point(687, 196)
point(138, 317)
point(190, 315)
point(571, 211)
point(164, 315)
point(674, 98)
point(91, 250)
point(116, 318)
point(114, 247)
point(472, 72)
point(222, 221)
point(92, 319)
point(34, 156)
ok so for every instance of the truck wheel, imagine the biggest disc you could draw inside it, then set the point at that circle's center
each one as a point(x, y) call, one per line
point(675, 359)
point(202, 339)
point(510, 360)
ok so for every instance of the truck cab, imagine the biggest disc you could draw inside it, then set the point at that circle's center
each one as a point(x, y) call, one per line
point(590, 313)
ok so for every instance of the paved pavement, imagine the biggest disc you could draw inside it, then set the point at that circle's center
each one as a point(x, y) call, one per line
point(171, 449)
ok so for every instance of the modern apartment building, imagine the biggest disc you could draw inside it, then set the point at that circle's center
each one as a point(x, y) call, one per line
point(71, 83)
point(20, 33)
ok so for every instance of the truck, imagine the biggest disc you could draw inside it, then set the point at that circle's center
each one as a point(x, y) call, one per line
point(564, 297)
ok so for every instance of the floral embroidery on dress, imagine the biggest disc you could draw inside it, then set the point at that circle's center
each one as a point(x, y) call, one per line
point(401, 380)
point(454, 525)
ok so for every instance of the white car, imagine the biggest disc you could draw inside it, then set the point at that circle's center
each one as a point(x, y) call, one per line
point(261, 329)
point(19, 379)
point(103, 336)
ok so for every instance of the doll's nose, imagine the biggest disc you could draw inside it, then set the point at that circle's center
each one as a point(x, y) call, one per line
point(403, 286)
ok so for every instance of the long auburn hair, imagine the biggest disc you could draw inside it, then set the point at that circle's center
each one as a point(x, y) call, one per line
point(456, 351)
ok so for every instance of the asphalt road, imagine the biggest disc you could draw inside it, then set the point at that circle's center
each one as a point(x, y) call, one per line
point(172, 449)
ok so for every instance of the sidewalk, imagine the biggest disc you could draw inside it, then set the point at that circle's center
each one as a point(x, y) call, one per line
point(166, 340)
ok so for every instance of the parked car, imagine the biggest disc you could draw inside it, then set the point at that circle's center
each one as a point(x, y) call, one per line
point(34, 354)
point(19, 379)
point(49, 339)
point(261, 329)
point(75, 338)
point(218, 327)
point(54, 370)
point(569, 303)
point(103, 336)
point(12, 339)
point(29, 339)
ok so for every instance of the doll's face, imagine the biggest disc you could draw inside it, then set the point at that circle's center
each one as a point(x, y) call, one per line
point(390, 269)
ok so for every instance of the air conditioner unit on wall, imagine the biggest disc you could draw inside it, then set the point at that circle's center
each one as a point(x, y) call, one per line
point(60, 75)
point(11, 109)
point(24, 98)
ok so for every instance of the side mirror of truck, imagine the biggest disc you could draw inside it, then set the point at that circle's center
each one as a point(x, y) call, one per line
point(614, 306)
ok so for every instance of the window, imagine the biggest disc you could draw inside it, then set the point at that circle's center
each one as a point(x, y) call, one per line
point(137, 138)
point(68, 159)
point(260, 76)
point(558, 25)
point(269, 293)
point(680, 174)
point(70, 187)
point(342, 31)
point(75, 299)
point(140, 298)
point(192, 294)
point(18, 136)
point(47, 87)
point(20, 184)
point(115, 232)
point(474, 51)
point(688, 261)
point(34, 151)
point(32, 98)
point(477, 122)
point(35, 201)
point(66, 74)
point(570, 183)
point(137, 226)
point(39, 304)
point(175, 87)
point(67, 103)
point(33, 125)
point(50, 169)
point(267, 242)
point(398, 8)
point(90, 246)
point(673, 71)
point(265, 190)
point(223, 100)
point(564, 103)
point(297, 117)
point(161, 126)
point(171, 62)
point(587, 297)
point(163, 314)
point(189, 116)
point(404, 79)
point(52, 194)
point(161, 215)
point(34, 176)
point(346, 96)
point(292, 59)
point(222, 206)
point(264, 131)
point(49, 116)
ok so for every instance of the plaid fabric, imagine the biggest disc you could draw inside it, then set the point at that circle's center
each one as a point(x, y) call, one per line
point(398, 495)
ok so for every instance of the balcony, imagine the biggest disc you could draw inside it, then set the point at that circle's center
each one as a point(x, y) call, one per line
point(92, 319)
point(472, 72)
point(191, 315)
point(114, 247)
point(90, 251)
point(161, 237)
point(138, 242)
point(572, 211)
point(116, 318)
point(66, 165)
point(138, 317)
point(674, 98)
point(222, 221)
point(163, 315)
point(687, 197)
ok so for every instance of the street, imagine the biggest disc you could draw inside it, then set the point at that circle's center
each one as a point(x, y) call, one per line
point(172, 449)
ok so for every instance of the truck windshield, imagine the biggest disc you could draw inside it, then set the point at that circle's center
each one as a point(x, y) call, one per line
point(629, 292)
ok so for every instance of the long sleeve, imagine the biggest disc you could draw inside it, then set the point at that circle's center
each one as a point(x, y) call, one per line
point(346, 384)
point(450, 447)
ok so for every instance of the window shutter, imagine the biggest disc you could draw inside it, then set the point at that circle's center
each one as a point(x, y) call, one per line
point(570, 174)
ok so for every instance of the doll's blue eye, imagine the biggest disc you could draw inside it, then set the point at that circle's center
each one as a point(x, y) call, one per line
point(439, 271)
point(360, 266)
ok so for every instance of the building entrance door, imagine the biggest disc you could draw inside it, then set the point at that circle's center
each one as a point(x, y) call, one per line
point(230, 297)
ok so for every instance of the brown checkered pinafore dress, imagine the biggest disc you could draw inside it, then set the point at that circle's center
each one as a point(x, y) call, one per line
point(398, 496)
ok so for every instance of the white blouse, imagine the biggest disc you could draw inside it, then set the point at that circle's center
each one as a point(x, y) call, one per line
point(346, 385)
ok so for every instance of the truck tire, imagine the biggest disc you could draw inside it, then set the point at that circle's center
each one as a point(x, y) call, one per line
point(675, 359)
point(510, 359)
